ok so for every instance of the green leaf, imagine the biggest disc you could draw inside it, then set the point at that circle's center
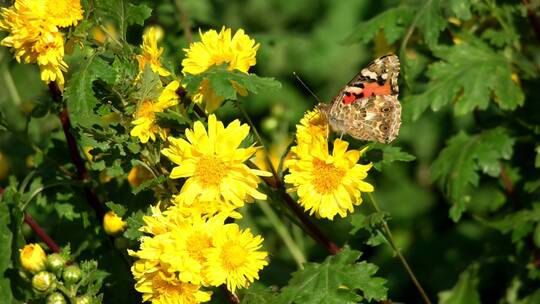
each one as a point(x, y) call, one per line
point(79, 93)
point(390, 154)
point(519, 223)
point(116, 208)
point(66, 210)
point(221, 80)
point(468, 75)
point(372, 224)
point(256, 294)
point(458, 164)
point(6, 238)
point(149, 183)
point(339, 279)
point(134, 221)
point(123, 13)
point(393, 22)
point(465, 291)
point(537, 158)
point(462, 8)
point(430, 21)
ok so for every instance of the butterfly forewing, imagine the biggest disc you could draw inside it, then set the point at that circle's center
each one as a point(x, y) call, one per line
point(367, 108)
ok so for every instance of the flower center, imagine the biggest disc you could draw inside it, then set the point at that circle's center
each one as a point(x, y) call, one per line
point(326, 177)
point(210, 171)
point(197, 245)
point(146, 109)
point(233, 256)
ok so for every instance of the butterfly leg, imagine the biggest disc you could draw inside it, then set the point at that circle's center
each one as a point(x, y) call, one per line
point(341, 136)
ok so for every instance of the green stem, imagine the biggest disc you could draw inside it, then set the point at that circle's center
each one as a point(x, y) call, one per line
point(11, 88)
point(283, 232)
point(396, 250)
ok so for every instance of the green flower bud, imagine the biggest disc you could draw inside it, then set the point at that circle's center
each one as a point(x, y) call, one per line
point(56, 298)
point(44, 282)
point(86, 299)
point(72, 274)
point(55, 262)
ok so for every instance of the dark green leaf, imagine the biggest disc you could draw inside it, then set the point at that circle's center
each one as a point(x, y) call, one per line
point(134, 221)
point(390, 154)
point(339, 279)
point(79, 93)
point(123, 13)
point(116, 208)
point(256, 294)
point(468, 75)
point(393, 22)
point(430, 21)
point(6, 238)
point(465, 291)
point(221, 80)
point(458, 164)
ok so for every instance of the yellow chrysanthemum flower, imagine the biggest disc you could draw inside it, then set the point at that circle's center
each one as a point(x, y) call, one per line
point(216, 48)
point(327, 184)
point(163, 288)
point(151, 53)
point(32, 257)
point(214, 165)
point(312, 126)
point(235, 259)
point(145, 117)
point(34, 35)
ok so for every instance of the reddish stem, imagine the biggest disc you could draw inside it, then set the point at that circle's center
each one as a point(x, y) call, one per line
point(41, 233)
point(76, 159)
point(532, 19)
point(231, 297)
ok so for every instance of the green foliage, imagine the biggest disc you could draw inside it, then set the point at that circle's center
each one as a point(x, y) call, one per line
point(458, 164)
point(465, 290)
point(339, 279)
point(466, 76)
point(79, 94)
point(221, 81)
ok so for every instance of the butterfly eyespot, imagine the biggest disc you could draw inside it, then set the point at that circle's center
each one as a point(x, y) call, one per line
point(383, 127)
point(385, 110)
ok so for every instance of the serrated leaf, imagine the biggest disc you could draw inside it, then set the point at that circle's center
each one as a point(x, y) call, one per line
point(465, 291)
point(67, 211)
point(339, 279)
point(221, 81)
point(149, 183)
point(462, 8)
point(467, 76)
point(123, 13)
point(79, 93)
point(393, 22)
point(134, 222)
point(458, 164)
point(116, 208)
point(430, 21)
point(519, 223)
point(372, 224)
point(390, 154)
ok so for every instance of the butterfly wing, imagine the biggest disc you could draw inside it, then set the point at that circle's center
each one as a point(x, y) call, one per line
point(367, 108)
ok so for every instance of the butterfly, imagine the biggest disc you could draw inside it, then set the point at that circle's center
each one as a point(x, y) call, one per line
point(367, 108)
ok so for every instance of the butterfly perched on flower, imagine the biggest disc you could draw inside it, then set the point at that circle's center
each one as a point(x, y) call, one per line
point(367, 108)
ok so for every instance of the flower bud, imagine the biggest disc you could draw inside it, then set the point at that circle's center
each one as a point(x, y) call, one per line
point(85, 299)
point(44, 282)
point(56, 298)
point(55, 262)
point(113, 224)
point(72, 274)
point(32, 258)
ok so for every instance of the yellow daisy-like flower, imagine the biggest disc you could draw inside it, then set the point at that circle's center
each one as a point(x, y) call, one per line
point(164, 288)
point(145, 117)
point(238, 52)
point(151, 53)
point(312, 126)
point(214, 165)
point(64, 13)
point(34, 35)
point(235, 259)
point(218, 48)
point(327, 184)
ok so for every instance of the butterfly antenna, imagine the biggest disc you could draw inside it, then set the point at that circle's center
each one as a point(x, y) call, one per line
point(307, 88)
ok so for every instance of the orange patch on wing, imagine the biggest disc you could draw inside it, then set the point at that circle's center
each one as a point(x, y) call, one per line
point(349, 99)
point(371, 89)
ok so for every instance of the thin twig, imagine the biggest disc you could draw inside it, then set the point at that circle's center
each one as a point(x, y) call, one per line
point(82, 172)
point(41, 233)
point(532, 19)
point(184, 20)
point(396, 250)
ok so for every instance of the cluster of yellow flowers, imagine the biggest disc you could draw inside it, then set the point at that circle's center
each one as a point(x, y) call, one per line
point(327, 182)
point(188, 250)
point(189, 247)
point(35, 36)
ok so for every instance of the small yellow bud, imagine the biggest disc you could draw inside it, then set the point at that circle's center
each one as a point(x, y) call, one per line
point(113, 224)
point(33, 257)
